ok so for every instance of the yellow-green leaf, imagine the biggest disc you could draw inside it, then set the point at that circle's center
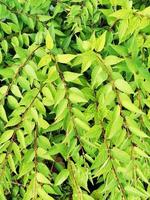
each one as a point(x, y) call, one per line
point(1, 57)
point(43, 195)
point(100, 42)
point(16, 91)
point(65, 58)
point(71, 76)
point(126, 102)
point(49, 41)
point(3, 115)
point(123, 86)
point(45, 60)
point(82, 124)
point(6, 28)
point(42, 179)
point(61, 177)
point(11, 163)
point(6, 136)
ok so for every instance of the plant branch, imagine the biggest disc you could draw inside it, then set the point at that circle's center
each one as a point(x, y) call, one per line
point(15, 130)
point(35, 160)
point(17, 73)
point(68, 100)
point(111, 159)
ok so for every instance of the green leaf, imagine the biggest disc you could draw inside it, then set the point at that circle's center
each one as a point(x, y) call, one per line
point(103, 169)
point(65, 58)
point(11, 163)
point(145, 12)
point(121, 14)
point(86, 62)
point(23, 83)
point(6, 72)
point(52, 74)
point(43, 168)
point(112, 60)
point(49, 41)
point(53, 127)
point(61, 177)
point(40, 107)
point(45, 60)
point(42, 179)
point(42, 153)
point(43, 123)
point(2, 195)
point(43, 142)
point(43, 194)
point(75, 95)
point(16, 91)
point(25, 168)
point(6, 28)
point(16, 151)
point(98, 76)
point(126, 102)
point(49, 189)
point(140, 152)
point(12, 102)
point(100, 42)
point(82, 124)
point(94, 131)
point(21, 138)
point(4, 45)
point(71, 76)
point(123, 86)
point(29, 192)
point(115, 123)
point(6, 136)
point(135, 129)
point(3, 115)
point(30, 71)
point(136, 192)
point(141, 175)
point(13, 121)
point(62, 106)
point(82, 172)
point(120, 155)
point(60, 94)
point(87, 197)
point(1, 56)
point(47, 92)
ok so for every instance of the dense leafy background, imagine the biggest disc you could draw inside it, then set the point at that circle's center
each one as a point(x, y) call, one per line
point(74, 99)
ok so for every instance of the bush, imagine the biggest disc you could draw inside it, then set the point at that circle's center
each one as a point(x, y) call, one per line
point(74, 99)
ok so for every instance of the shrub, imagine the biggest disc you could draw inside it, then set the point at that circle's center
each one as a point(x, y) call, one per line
point(74, 99)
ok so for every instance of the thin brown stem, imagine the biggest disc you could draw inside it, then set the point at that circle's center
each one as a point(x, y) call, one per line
point(35, 147)
point(111, 159)
point(35, 160)
point(15, 130)
point(17, 73)
point(75, 183)
point(68, 100)
point(115, 171)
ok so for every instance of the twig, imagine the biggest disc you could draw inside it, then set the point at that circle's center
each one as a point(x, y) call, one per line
point(17, 73)
point(15, 130)
point(35, 160)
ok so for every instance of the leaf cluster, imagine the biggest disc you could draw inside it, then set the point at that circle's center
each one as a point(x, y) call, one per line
point(74, 99)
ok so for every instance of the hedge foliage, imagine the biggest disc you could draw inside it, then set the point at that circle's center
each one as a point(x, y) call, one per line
point(74, 99)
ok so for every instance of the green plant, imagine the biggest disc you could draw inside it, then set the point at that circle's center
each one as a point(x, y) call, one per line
point(74, 99)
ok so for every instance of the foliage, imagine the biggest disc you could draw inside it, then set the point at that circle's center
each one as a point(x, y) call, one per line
point(74, 99)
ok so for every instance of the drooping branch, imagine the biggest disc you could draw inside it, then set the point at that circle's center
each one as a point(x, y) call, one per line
point(68, 100)
point(17, 73)
point(16, 128)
